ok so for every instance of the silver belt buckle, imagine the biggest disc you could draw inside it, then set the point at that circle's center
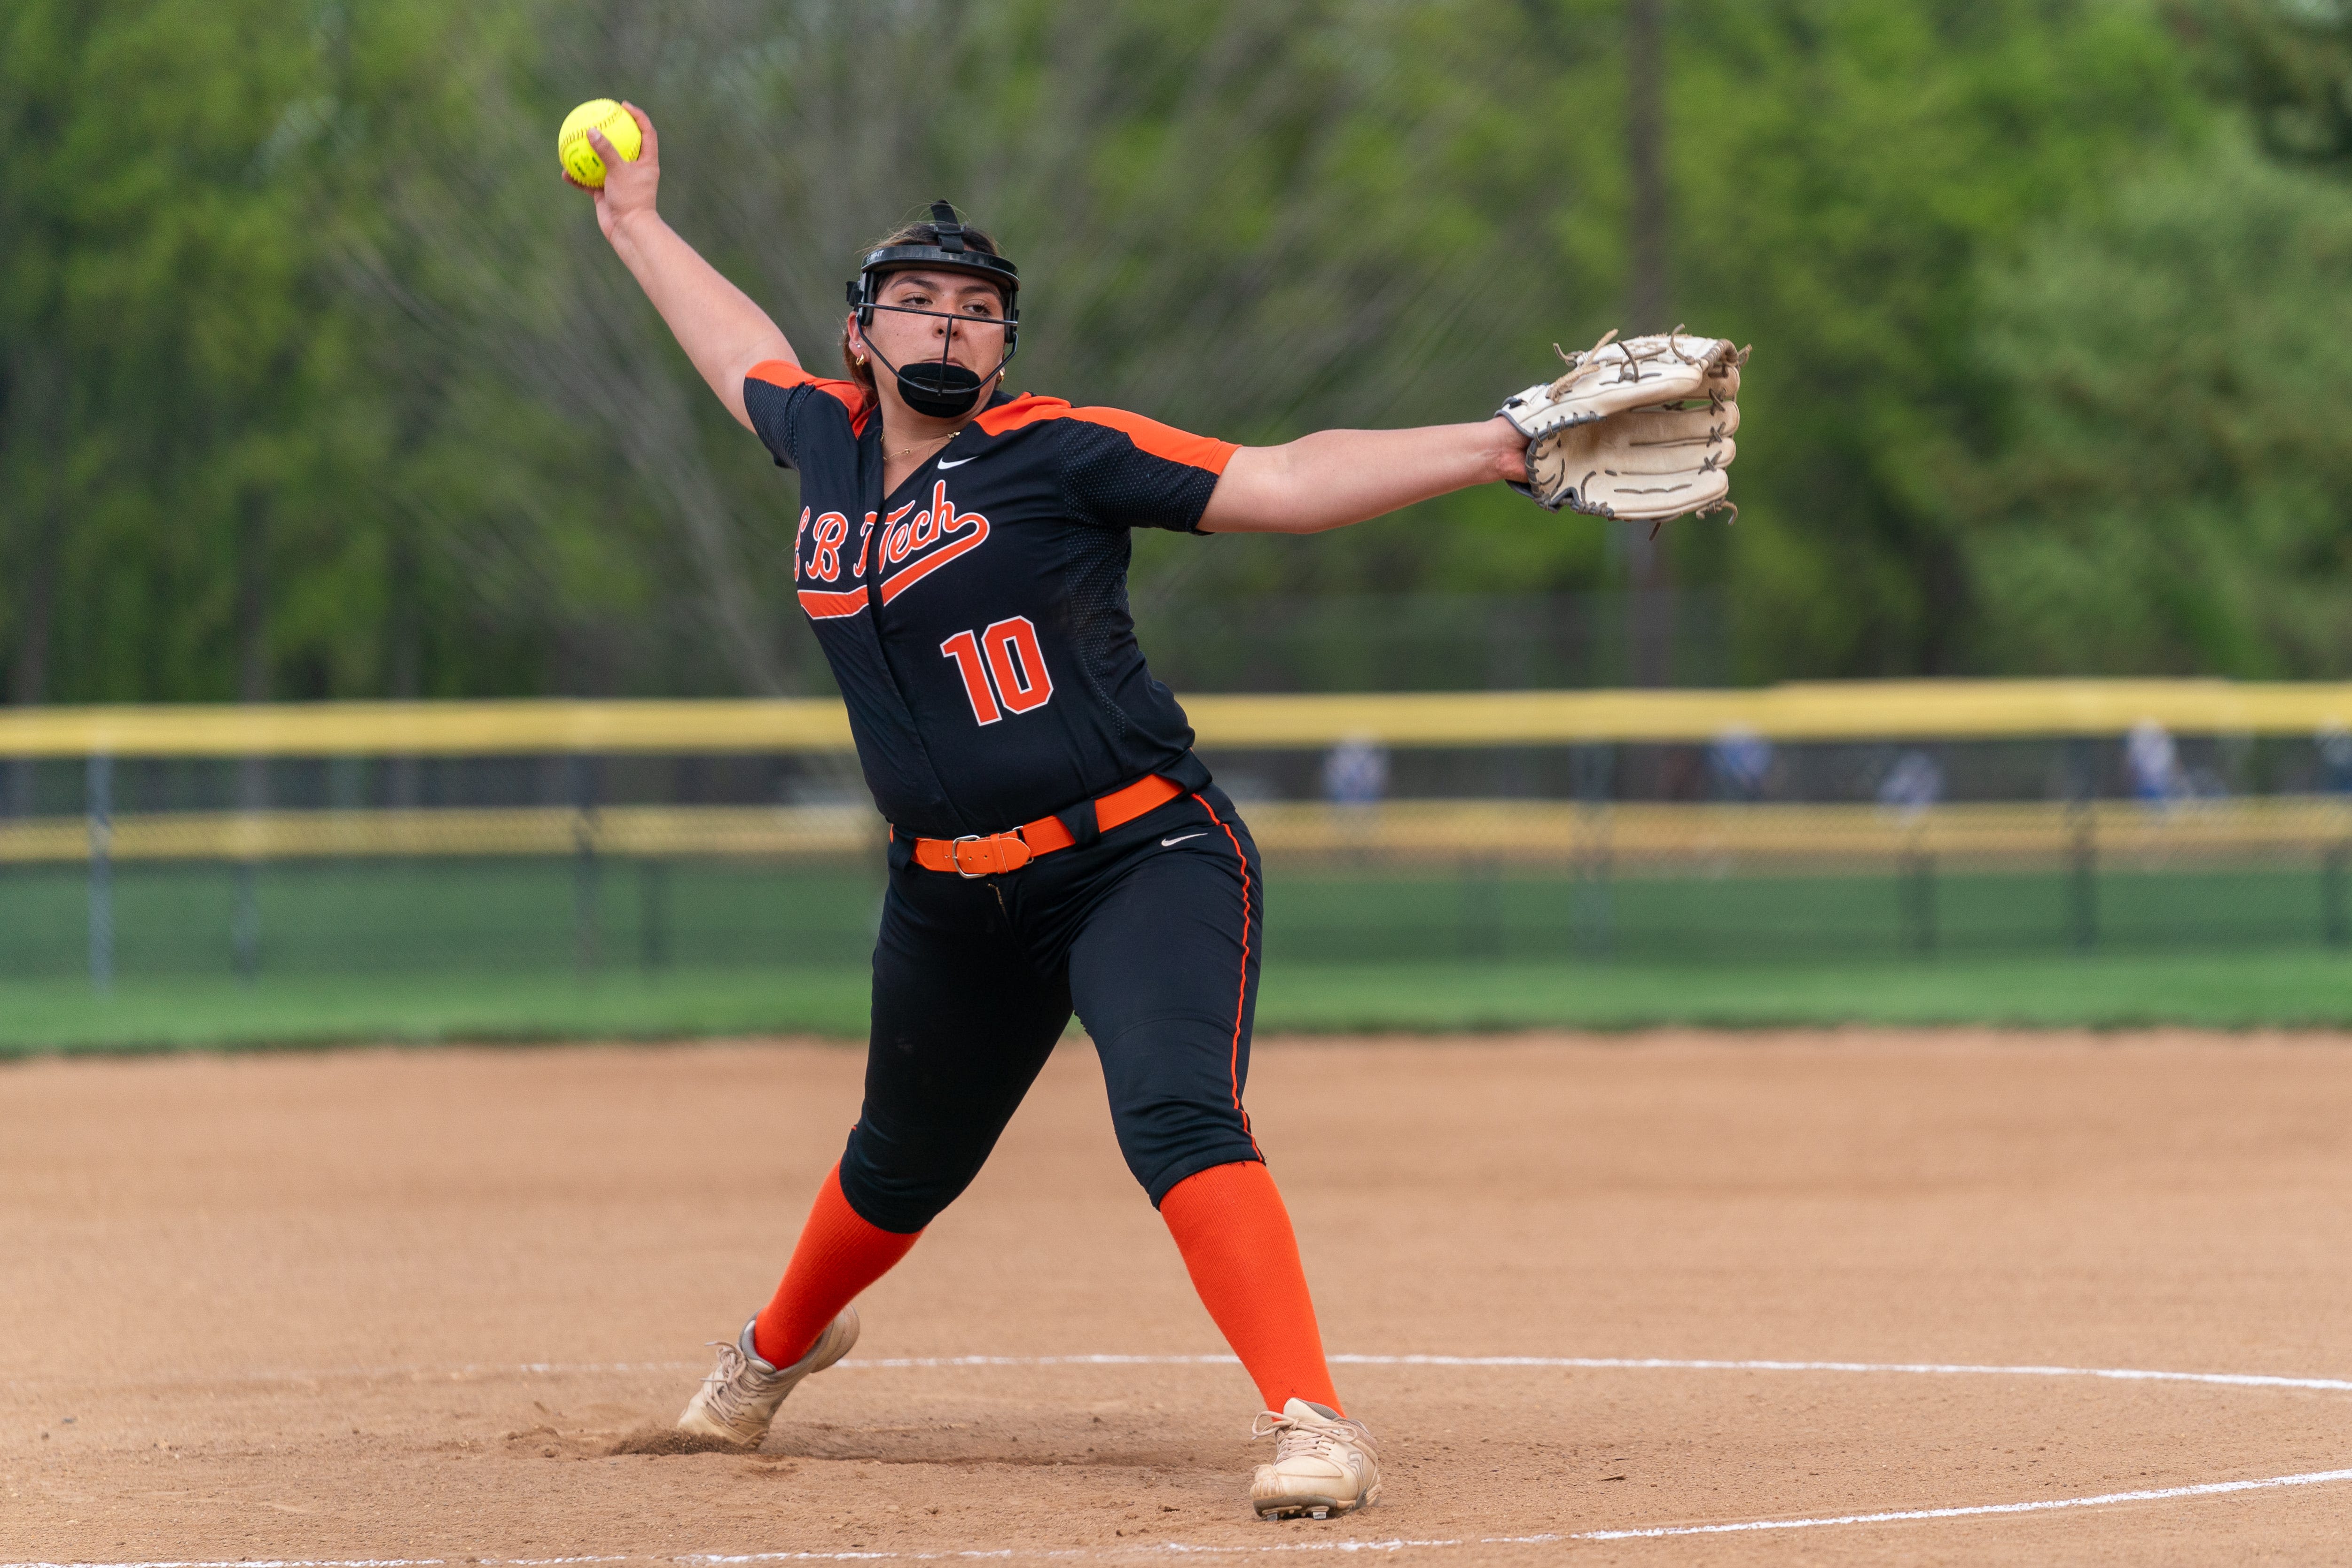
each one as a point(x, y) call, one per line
point(955, 857)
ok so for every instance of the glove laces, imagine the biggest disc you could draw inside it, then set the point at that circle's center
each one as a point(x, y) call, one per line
point(1627, 361)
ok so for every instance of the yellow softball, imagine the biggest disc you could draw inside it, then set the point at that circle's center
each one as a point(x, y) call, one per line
point(578, 156)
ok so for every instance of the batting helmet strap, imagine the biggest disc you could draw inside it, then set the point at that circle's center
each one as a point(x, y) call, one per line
point(943, 218)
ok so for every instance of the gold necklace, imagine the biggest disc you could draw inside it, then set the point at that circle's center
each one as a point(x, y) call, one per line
point(951, 436)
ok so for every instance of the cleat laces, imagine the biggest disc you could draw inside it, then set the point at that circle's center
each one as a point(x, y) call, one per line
point(730, 1384)
point(1298, 1440)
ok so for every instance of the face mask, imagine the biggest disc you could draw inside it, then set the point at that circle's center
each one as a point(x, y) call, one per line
point(940, 387)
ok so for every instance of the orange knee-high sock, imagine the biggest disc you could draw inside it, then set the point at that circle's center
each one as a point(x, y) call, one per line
point(1228, 1223)
point(838, 1256)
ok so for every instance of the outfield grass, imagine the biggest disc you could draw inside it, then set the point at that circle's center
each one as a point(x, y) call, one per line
point(547, 949)
point(328, 921)
point(162, 1013)
point(2311, 988)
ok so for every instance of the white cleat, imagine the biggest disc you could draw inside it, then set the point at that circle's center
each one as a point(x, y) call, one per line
point(737, 1402)
point(1323, 1464)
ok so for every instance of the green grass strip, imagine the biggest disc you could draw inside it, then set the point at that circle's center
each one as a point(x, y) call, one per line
point(2301, 988)
point(2308, 988)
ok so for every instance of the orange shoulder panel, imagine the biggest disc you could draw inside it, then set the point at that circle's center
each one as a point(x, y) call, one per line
point(1149, 435)
point(784, 373)
point(1023, 410)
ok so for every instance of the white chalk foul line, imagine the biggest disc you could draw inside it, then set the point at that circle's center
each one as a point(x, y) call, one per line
point(1185, 1549)
point(1567, 1363)
point(333, 1562)
point(1922, 1368)
point(2152, 1494)
point(1178, 1548)
point(1400, 1543)
point(1572, 1363)
point(1891, 1516)
point(1643, 1364)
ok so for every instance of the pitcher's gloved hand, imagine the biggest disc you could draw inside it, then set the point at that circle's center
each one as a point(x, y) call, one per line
point(1640, 429)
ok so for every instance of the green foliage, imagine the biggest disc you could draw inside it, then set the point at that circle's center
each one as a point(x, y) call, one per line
point(2290, 62)
point(2167, 494)
point(1860, 164)
point(195, 448)
point(315, 382)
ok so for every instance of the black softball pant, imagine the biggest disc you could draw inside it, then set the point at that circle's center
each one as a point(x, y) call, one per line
point(1150, 933)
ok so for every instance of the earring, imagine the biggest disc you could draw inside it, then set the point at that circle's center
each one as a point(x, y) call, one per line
point(861, 360)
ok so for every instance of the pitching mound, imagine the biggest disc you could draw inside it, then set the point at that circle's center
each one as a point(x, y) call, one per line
point(1849, 1298)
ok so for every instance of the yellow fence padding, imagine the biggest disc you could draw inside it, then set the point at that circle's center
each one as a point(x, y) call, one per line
point(1853, 710)
point(1556, 835)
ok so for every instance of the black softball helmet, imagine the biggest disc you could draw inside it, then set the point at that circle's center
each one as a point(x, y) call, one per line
point(940, 387)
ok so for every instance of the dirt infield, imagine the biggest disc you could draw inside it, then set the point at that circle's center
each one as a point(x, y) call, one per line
point(376, 1305)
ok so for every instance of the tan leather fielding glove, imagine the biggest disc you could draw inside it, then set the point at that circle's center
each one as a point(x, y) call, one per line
point(1640, 428)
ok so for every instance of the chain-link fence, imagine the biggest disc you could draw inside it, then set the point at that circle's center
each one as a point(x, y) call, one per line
point(1439, 828)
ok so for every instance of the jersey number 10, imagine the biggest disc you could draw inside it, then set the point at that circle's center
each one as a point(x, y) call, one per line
point(1007, 653)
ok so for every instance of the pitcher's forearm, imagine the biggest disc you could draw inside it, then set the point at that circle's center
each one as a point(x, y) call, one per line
point(1335, 477)
point(718, 325)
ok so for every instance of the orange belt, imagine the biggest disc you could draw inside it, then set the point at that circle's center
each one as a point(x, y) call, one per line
point(974, 855)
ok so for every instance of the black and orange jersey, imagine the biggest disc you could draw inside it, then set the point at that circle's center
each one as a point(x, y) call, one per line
point(976, 618)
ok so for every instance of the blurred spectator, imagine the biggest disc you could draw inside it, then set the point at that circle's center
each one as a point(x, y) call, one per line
point(1739, 761)
point(1913, 784)
point(2336, 759)
point(2152, 763)
point(1356, 771)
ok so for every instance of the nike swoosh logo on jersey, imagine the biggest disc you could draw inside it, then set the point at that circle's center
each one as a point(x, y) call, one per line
point(1182, 837)
point(959, 462)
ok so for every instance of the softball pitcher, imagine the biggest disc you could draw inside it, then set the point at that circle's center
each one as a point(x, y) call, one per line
point(1055, 844)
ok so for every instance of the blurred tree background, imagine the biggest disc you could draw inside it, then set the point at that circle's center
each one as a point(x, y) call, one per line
point(316, 381)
